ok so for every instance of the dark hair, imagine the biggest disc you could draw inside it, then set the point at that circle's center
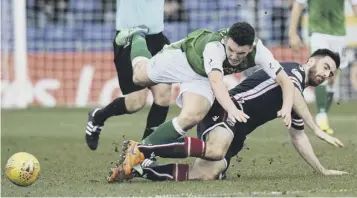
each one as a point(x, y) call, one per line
point(242, 33)
point(326, 52)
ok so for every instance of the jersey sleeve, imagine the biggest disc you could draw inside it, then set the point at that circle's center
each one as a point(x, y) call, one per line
point(296, 121)
point(296, 77)
point(213, 57)
point(265, 58)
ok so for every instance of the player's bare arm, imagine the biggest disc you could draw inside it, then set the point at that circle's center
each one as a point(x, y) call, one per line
point(294, 39)
point(221, 92)
point(214, 56)
point(302, 109)
point(304, 148)
point(273, 68)
point(288, 97)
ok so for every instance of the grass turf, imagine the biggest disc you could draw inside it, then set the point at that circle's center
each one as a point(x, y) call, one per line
point(267, 166)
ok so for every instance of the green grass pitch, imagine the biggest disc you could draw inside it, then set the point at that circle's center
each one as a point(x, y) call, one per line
point(267, 166)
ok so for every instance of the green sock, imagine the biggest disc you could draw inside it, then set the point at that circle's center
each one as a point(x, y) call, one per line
point(165, 132)
point(139, 47)
point(329, 100)
point(321, 98)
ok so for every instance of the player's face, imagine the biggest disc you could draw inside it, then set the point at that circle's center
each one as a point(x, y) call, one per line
point(236, 53)
point(322, 69)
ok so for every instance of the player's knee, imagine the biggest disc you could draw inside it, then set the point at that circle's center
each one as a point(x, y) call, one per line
point(140, 74)
point(218, 141)
point(189, 119)
point(163, 95)
point(137, 80)
point(135, 101)
point(215, 151)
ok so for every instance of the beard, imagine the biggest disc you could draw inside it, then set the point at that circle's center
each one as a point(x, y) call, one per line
point(312, 80)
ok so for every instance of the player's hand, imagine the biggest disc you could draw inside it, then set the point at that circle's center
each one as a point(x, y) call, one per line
point(295, 42)
point(329, 139)
point(236, 114)
point(286, 116)
point(333, 172)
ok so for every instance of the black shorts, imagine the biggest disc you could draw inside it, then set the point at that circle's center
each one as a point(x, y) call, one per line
point(217, 116)
point(155, 43)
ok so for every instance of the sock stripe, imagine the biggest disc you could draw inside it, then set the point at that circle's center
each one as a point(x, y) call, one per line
point(95, 111)
point(176, 172)
point(159, 174)
point(203, 149)
point(181, 172)
point(89, 128)
point(160, 145)
point(189, 146)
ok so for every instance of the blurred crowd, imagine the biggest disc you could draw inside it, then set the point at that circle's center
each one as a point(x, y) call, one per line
point(270, 17)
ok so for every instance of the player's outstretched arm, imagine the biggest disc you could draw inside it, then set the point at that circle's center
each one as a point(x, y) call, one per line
point(221, 92)
point(287, 88)
point(294, 39)
point(213, 56)
point(272, 67)
point(304, 148)
point(302, 110)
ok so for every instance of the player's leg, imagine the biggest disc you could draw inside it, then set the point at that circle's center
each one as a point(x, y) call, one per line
point(214, 148)
point(140, 53)
point(206, 170)
point(337, 44)
point(161, 92)
point(317, 41)
point(135, 97)
point(217, 142)
point(202, 169)
point(196, 99)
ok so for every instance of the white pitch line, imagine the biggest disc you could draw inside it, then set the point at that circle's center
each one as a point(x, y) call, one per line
point(260, 193)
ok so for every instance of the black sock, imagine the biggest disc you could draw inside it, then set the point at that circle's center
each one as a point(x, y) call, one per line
point(115, 108)
point(173, 172)
point(157, 115)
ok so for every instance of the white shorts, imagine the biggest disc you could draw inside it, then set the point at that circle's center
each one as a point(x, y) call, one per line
point(334, 43)
point(171, 66)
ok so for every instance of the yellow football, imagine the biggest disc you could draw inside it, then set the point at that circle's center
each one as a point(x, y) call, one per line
point(22, 169)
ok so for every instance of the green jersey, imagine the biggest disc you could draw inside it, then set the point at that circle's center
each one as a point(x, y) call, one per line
point(327, 17)
point(194, 44)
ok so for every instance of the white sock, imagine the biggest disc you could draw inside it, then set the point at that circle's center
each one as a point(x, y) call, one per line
point(321, 116)
point(178, 127)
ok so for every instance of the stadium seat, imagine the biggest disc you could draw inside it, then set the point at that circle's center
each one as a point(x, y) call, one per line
point(35, 39)
point(202, 14)
point(98, 36)
point(176, 31)
point(60, 38)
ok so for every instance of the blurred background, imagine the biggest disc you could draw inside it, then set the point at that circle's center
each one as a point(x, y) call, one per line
point(62, 54)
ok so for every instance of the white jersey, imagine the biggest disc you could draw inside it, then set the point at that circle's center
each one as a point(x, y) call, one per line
point(214, 55)
point(131, 13)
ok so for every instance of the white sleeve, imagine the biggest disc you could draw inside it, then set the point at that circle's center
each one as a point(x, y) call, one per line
point(214, 56)
point(354, 2)
point(266, 59)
